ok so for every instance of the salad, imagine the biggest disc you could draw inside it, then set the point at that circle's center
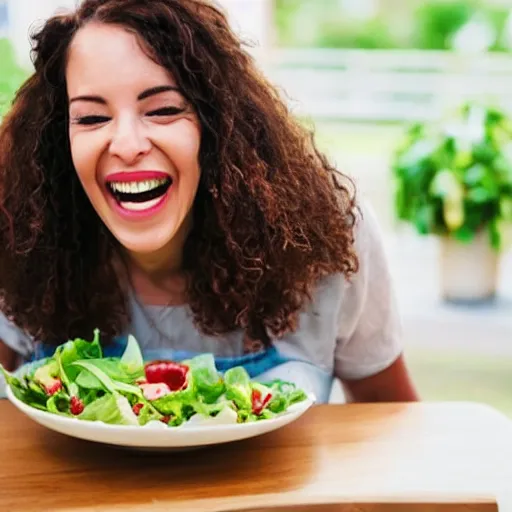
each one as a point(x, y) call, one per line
point(77, 381)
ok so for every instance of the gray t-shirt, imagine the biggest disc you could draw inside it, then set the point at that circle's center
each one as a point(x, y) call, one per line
point(350, 330)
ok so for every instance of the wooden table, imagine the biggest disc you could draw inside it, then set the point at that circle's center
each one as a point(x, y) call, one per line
point(382, 457)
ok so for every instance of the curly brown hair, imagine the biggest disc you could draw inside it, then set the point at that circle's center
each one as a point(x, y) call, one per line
point(271, 216)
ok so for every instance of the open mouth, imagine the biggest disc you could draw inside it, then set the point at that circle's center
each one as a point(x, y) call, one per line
point(139, 195)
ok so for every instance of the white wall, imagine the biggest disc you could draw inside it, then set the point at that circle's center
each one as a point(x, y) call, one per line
point(24, 16)
point(252, 19)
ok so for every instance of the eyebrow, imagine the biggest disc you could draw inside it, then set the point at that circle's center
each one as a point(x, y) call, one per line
point(156, 90)
point(142, 96)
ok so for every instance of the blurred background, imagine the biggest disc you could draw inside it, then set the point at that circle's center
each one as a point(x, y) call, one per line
point(412, 99)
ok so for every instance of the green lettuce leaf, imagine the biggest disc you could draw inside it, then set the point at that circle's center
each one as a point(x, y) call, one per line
point(131, 360)
point(179, 405)
point(278, 403)
point(223, 413)
point(266, 414)
point(212, 410)
point(207, 380)
point(284, 394)
point(238, 387)
point(89, 395)
point(37, 393)
point(58, 404)
point(110, 385)
point(47, 375)
point(114, 409)
point(76, 350)
point(246, 416)
point(35, 398)
point(148, 413)
point(113, 368)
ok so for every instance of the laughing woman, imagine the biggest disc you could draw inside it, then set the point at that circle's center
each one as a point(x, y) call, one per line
point(152, 182)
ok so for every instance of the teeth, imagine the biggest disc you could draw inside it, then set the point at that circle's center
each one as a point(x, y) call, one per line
point(136, 187)
point(138, 207)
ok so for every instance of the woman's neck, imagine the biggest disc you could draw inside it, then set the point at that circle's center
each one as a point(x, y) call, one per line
point(158, 264)
point(168, 260)
point(158, 288)
point(157, 277)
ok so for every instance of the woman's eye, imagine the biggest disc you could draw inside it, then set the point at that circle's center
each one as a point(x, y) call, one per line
point(166, 111)
point(90, 120)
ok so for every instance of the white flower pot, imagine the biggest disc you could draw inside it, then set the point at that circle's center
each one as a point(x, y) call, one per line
point(468, 271)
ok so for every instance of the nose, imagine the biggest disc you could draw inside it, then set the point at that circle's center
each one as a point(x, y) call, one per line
point(129, 142)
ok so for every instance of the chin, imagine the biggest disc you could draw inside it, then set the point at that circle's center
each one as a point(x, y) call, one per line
point(147, 246)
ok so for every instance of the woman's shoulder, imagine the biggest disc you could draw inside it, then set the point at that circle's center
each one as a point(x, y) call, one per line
point(354, 318)
point(369, 246)
point(349, 303)
point(367, 228)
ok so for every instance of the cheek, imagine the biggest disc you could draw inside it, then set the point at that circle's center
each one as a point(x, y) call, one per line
point(84, 158)
point(185, 156)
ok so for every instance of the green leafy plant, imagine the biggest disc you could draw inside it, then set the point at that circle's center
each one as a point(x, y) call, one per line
point(454, 177)
point(303, 23)
point(426, 25)
point(437, 21)
point(11, 75)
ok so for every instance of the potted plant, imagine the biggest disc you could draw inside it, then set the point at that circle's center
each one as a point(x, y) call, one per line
point(454, 179)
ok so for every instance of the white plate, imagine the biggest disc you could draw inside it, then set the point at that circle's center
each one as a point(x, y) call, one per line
point(154, 438)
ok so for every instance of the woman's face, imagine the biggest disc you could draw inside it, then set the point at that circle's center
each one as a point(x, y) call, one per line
point(134, 140)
